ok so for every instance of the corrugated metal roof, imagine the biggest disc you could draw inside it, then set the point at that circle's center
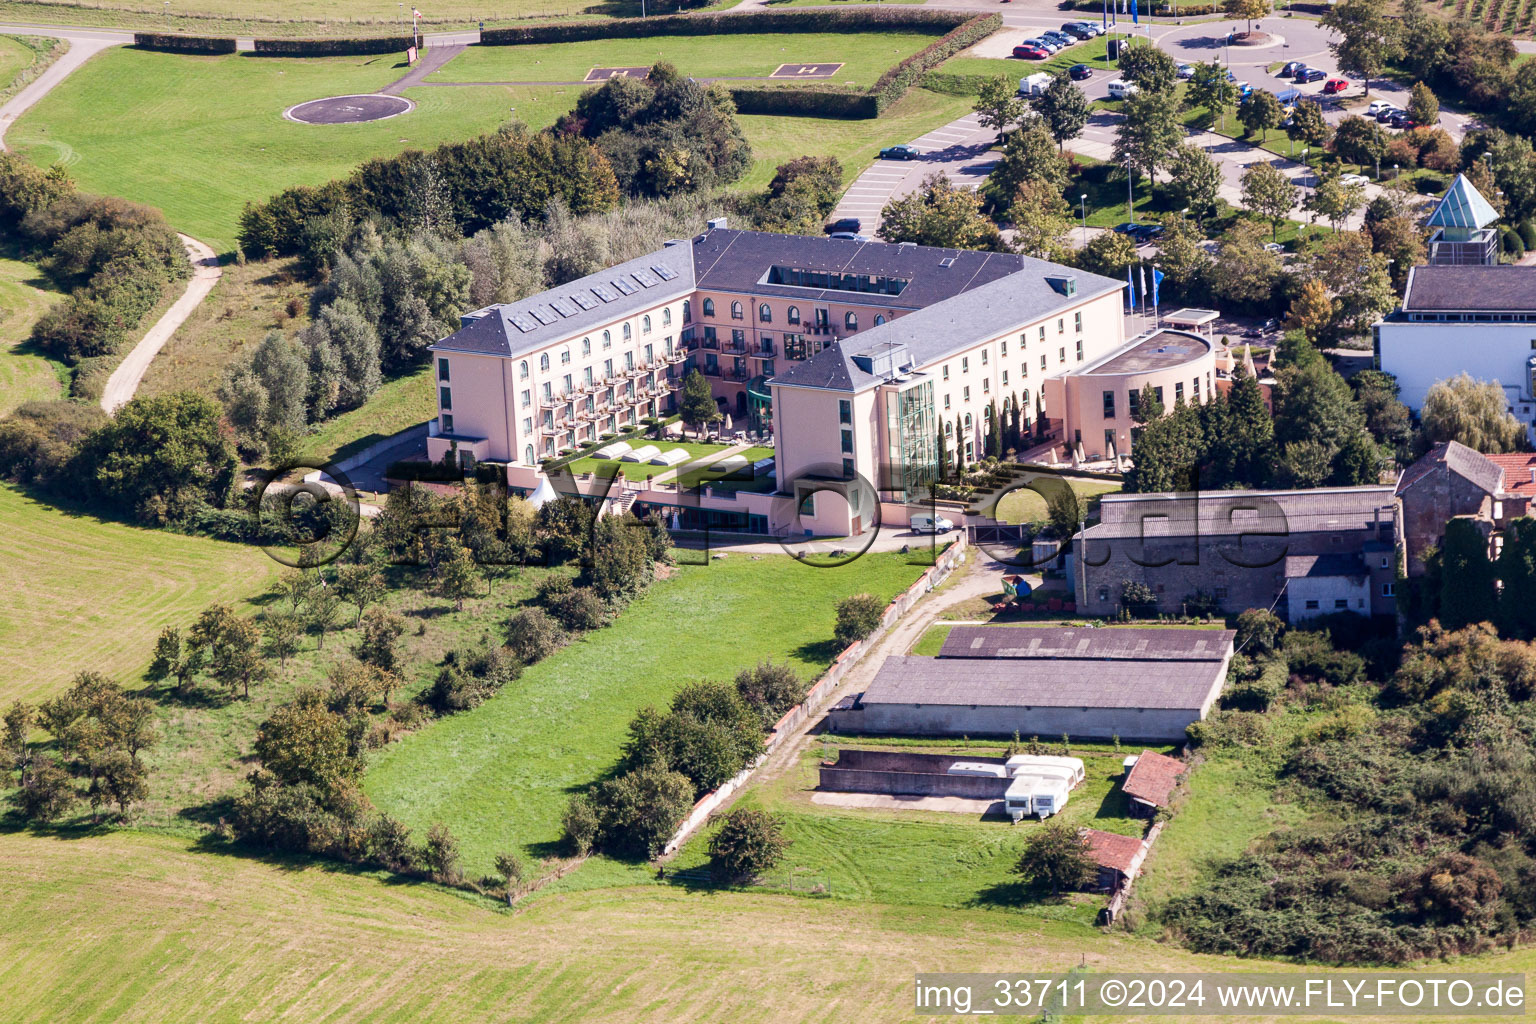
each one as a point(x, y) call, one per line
point(1044, 682)
point(1088, 644)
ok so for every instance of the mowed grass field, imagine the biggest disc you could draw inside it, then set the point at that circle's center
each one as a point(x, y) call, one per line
point(1022, 505)
point(500, 775)
point(86, 594)
point(15, 57)
point(199, 137)
point(25, 375)
point(140, 929)
point(865, 56)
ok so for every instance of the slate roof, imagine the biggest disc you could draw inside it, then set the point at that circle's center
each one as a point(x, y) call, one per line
point(1089, 644)
point(1470, 289)
point(1114, 851)
point(1457, 458)
point(1242, 513)
point(585, 304)
point(1043, 682)
point(1325, 565)
point(1153, 777)
point(1463, 206)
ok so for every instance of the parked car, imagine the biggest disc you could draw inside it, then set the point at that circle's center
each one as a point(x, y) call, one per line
point(1244, 90)
point(1059, 38)
point(850, 236)
point(1119, 89)
point(1291, 69)
point(901, 152)
point(1386, 113)
point(1080, 72)
point(1311, 75)
point(1186, 72)
point(1128, 227)
point(924, 523)
point(1334, 86)
point(1031, 52)
point(1400, 119)
point(1147, 232)
point(1273, 247)
point(844, 224)
point(1042, 44)
point(1354, 179)
point(1377, 106)
point(1077, 30)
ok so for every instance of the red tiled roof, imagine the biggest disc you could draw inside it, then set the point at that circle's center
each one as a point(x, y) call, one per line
point(1111, 850)
point(1518, 468)
point(1153, 777)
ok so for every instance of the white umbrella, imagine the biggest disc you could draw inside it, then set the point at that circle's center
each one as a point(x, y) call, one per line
point(727, 421)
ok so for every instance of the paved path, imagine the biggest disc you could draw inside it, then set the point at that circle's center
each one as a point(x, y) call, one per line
point(436, 57)
point(125, 379)
point(83, 45)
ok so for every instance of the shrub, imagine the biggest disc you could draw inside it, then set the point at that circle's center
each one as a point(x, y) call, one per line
point(641, 810)
point(332, 47)
point(1260, 691)
point(581, 824)
point(580, 610)
point(709, 734)
point(389, 843)
point(532, 635)
point(857, 617)
point(749, 843)
point(770, 689)
point(1510, 243)
point(440, 855)
point(1057, 857)
point(1528, 234)
point(1258, 629)
point(183, 44)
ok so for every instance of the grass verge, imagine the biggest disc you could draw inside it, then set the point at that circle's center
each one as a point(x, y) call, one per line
point(25, 373)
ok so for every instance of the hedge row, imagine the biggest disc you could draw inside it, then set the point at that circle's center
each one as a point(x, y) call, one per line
point(893, 85)
point(789, 101)
point(183, 44)
point(333, 47)
point(817, 19)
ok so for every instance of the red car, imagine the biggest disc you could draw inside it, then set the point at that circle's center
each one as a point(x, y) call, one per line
point(1030, 52)
point(1335, 85)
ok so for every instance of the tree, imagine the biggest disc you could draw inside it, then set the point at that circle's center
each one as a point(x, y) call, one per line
point(1356, 277)
point(1064, 108)
point(1517, 576)
point(1308, 124)
point(1367, 37)
point(1361, 141)
point(458, 577)
point(1027, 158)
point(857, 617)
point(697, 405)
point(998, 104)
point(642, 809)
point(1041, 220)
point(305, 742)
point(1180, 256)
point(1149, 68)
point(1474, 412)
point(1240, 450)
point(1268, 193)
point(47, 791)
point(1065, 512)
point(1319, 429)
point(1258, 630)
point(771, 689)
point(376, 643)
point(1150, 128)
point(748, 843)
point(1057, 857)
point(440, 854)
point(1194, 181)
point(1468, 591)
point(1109, 254)
point(175, 659)
point(941, 213)
point(1311, 310)
point(1210, 90)
point(281, 634)
point(1167, 452)
point(1246, 9)
point(360, 586)
point(622, 564)
point(229, 647)
point(1335, 200)
point(1243, 270)
point(1401, 241)
point(511, 869)
point(1386, 417)
point(1258, 112)
point(532, 635)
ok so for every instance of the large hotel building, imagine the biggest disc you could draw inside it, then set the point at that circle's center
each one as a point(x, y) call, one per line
point(855, 354)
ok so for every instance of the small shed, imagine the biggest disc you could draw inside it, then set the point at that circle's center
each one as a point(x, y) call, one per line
point(1151, 781)
point(1118, 857)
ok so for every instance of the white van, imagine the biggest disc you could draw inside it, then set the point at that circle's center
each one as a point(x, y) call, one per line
point(1024, 763)
point(1035, 84)
point(1119, 89)
point(924, 523)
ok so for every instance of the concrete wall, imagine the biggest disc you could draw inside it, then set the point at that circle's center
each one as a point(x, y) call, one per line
point(1419, 354)
point(1326, 592)
point(1159, 724)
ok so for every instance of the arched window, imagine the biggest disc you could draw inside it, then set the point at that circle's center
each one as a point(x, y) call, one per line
point(607, 339)
point(666, 315)
point(586, 346)
point(544, 363)
point(645, 324)
point(522, 370)
point(709, 307)
point(949, 428)
point(967, 421)
point(735, 311)
point(687, 311)
point(628, 332)
point(879, 319)
point(764, 314)
point(851, 320)
point(528, 454)
point(794, 314)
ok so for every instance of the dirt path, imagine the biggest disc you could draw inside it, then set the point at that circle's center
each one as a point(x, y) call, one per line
point(125, 379)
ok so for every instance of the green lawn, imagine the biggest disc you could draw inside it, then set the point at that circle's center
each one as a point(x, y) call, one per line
point(15, 57)
point(641, 470)
point(922, 858)
point(500, 775)
point(865, 56)
point(25, 374)
point(87, 594)
point(399, 403)
point(1022, 505)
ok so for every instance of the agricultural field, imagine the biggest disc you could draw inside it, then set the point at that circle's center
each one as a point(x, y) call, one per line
point(25, 375)
point(307, 18)
point(500, 775)
point(865, 57)
point(88, 594)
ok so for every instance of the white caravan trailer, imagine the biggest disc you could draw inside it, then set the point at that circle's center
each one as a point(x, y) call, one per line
point(1034, 794)
point(1022, 762)
point(981, 768)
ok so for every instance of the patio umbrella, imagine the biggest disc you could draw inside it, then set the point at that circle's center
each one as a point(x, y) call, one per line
point(727, 421)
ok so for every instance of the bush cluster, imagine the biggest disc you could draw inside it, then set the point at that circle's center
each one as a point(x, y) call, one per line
point(208, 45)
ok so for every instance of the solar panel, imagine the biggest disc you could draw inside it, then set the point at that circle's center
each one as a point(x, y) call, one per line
point(646, 278)
point(563, 306)
point(665, 273)
point(524, 322)
point(544, 315)
point(603, 292)
point(625, 285)
point(584, 300)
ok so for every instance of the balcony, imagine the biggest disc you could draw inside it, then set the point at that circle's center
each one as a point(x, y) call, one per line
point(767, 350)
point(736, 348)
point(738, 375)
point(710, 371)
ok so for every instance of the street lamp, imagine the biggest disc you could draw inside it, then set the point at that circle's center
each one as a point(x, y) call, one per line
point(167, 15)
point(1082, 202)
point(1130, 199)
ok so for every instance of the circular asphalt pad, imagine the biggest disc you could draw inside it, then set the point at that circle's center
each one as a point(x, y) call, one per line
point(348, 109)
